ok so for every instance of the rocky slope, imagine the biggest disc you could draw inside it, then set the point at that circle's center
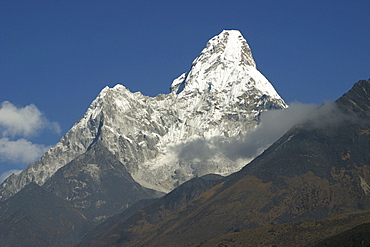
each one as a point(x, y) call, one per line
point(97, 184)
point(221, 96)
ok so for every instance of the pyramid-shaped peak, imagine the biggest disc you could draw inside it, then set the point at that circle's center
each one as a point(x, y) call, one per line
point(232, 46)
point(232, 37)
point(225, 67)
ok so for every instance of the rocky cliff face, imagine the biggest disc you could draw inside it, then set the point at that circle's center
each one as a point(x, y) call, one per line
point(156, 138)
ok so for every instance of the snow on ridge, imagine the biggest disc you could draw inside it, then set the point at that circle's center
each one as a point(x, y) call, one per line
point(221, 96)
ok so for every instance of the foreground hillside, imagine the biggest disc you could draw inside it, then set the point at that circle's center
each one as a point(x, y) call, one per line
point(341, 228)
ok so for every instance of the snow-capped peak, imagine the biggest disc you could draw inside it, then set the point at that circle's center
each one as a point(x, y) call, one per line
point(229, 45)
point(225, 65)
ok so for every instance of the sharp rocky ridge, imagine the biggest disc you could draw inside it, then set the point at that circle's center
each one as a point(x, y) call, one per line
point(166, 140)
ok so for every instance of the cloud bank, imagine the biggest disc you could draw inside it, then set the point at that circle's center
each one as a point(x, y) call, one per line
point(273, 125)
point(17, 125)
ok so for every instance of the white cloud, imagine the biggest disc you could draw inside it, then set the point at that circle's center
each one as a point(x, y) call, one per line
point(16, 124)
point(20, 151)
point(6, 174)
point(25, 121)
point(273, 124)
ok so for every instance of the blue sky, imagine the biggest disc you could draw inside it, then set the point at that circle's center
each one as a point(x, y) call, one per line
point(56, 56)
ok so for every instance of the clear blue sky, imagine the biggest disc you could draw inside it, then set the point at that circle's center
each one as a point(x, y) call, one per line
point(58, 55)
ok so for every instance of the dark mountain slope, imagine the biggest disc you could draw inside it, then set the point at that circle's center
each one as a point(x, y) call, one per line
point(357, 99)
point(119, 227)
point(35, 217)
point(318, 169)
point(304, 233)
point(91, 188)
point(355, 237)
point(97, 184)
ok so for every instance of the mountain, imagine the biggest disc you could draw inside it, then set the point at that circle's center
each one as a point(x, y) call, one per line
point(166, 140)
point(115, 164)
point(317, 171)
point(36, 217)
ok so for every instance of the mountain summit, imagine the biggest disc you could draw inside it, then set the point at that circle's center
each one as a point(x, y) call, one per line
point(225, 64)
point(160, 141)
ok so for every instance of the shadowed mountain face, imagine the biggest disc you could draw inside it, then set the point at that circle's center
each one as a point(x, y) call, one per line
point(117, 228)
point(35, 217)
point(97, 184)
point(318, 169)
point(80, 195)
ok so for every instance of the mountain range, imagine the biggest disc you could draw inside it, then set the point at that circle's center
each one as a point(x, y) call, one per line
point(160, 171)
